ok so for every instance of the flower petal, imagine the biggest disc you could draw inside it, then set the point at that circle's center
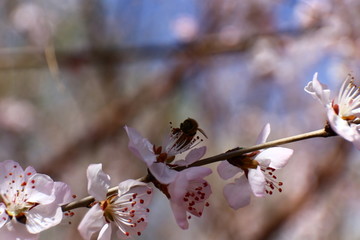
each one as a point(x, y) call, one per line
point(142, 191)
point(126, 185)
point(318, 90)
point(16, 231)
point(39, 188)
point(197, 172)
point(179, 214)
point(140, 146)
point(105, 232)
point(178, 187)
point(3, 215)
point(278, 156)
point(227, 170)
point(62, 193)
point(163, 173)
point(340, 126)
point(238, 193)
point(13, 177)
point(194, 155)
point(257, 182)
point(43, 217)
point(92, 222)
point(98, 181)
point(264, 134)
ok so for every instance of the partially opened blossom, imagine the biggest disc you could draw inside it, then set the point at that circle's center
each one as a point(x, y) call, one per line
point(187, 190)
point(119, 216)
point(29, 202)
point(343, 112)
point(257, 172)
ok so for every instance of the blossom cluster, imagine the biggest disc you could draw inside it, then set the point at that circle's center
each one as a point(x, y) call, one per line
point(32, 202)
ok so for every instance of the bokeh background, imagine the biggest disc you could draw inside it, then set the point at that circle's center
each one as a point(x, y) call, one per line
point(74, 72)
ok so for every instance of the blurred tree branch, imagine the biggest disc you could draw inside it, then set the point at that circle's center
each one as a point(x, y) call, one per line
point(33, 57)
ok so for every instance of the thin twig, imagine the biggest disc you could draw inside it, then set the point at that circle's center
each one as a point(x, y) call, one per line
point(85, 202)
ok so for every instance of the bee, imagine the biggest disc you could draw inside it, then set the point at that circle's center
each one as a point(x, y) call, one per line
point(190, 127)
point(185, 136)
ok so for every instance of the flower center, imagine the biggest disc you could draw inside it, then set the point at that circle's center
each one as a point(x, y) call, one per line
point(126, 211)
point(271, 182)
point(348, 100)
point(17, 204)
point(184, 138)
point(195, 197)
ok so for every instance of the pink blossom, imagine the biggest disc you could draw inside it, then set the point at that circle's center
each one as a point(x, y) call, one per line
point(257, 170)
point(188, 193)
point(344, 111)
point(186, 189)
point(31, 202)
point(157, 159)
point(122, 215)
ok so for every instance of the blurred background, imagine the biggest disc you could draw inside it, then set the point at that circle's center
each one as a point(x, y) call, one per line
point(74, 72)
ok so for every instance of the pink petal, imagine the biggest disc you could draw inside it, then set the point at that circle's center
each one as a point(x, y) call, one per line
point(163, 173)
point(197, 172)
point(257, 182)
point(105, 232)
point(3, 215)
point(62, 193)
point(29, 171)
point(278, 156)
point(13, 177)
point(195, 154)
point(179, 214)
point(126, 185)
point(16, 231)
point(142, 191)
point(201, 190)
point(318, 90)
point(178, 188)
point(140, 146)
point(39, 188)
point(92, 222)
point(341, 127)
point(98, 181)
point(264, 134)
point(238, 194)
point(227, 170)
point(43, 217)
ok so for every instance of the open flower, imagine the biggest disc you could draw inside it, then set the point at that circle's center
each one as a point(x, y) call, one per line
point(29, 202)
point(123, 215)
point(257, 170)
point(344, 111)
point(158, 159)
